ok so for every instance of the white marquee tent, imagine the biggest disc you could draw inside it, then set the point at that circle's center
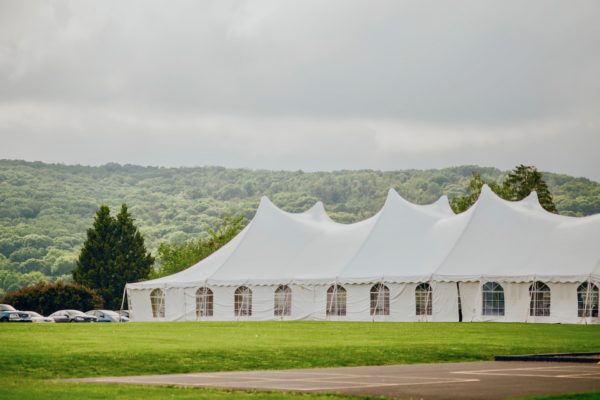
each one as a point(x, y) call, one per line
point(498, 261)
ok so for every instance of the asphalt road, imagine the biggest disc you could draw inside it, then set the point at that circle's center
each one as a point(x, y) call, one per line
point(473, 380)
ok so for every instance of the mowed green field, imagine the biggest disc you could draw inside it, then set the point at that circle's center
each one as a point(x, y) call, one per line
point(32, 354)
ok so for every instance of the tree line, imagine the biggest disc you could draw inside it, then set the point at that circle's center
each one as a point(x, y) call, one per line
point(45, 209)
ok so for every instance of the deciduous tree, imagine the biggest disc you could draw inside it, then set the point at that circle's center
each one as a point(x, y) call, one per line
point(176, 257)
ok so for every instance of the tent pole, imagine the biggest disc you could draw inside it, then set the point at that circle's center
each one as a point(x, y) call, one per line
point(288, 300)
point(198, 302)
point(335, 307)
point(586, 305)
point(285, 302)
point(243, 303)
point(212, 299)
point(203, 309)
point(205, 303)
point(377, 299)
point(595, 298)
point(373, 307)
point(161, 310)
point(534, 296)
point(428, 299)
point(329, 304)
point(237, 307)
point(123, 298)
point(246, 303)
point(381, 297)
point(184, 304)
point(479, 297)
point(460, 314)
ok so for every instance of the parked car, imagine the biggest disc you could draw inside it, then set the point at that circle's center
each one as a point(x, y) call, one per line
point(35, 317)
point(71, 316)
point(107, 316)
point(6, 307)
point(14, 316)
point(4, 312)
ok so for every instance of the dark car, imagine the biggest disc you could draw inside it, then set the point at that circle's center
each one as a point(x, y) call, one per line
point(14, 316)
point(71, 316)
point(107, 316)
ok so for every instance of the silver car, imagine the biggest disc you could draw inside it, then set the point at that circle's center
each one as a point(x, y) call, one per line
point(35, 317)
point(71, 316)
point(107, 316)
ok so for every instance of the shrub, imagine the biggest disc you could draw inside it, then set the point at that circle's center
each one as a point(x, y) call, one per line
point(45, 298)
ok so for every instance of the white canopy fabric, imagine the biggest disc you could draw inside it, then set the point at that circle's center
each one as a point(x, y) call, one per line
point(403, 243)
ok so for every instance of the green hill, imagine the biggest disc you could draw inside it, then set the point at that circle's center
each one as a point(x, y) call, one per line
point(45, 209)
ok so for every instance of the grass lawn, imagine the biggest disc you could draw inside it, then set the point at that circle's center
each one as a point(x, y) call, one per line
point(30, 353)
point(572, 396)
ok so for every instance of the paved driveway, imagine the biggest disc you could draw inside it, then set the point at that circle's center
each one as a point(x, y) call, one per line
point(473, 380)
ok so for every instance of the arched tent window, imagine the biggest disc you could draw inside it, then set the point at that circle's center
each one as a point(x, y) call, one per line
point(423, 299)
point(587, 300)
point(283, 301)
point(380, 299)
point(242, 301)
point(204, 302)
point(492, 299)
point(336, 300)
point(157, 300)
point(539, 305)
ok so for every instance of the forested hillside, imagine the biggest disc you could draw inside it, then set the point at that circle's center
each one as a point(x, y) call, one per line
point(45, 209)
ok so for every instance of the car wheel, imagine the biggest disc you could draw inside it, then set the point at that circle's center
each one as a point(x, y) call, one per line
point(3, 319)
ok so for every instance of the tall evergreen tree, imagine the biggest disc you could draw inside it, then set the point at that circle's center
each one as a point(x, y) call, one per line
point(132, 261)
point(112, 255)
point(96, 260)
point(517, 185)
point(523, 180)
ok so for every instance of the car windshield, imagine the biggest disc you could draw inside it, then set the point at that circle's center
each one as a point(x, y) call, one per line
point(33, 314)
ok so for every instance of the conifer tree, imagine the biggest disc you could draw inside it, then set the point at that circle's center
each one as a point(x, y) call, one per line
point(522, 181)
point(112, 255)
point(132, 261)
point(517, 185)
point(96, 260)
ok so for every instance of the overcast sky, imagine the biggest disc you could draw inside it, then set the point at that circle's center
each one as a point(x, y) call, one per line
point(312, 85)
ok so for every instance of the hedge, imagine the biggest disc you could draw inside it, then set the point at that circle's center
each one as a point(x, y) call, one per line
point(46, 298)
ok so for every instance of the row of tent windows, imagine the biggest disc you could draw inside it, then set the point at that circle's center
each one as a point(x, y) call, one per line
point(492, 300)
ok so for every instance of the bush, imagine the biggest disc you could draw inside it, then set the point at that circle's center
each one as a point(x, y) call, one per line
point(45, 298)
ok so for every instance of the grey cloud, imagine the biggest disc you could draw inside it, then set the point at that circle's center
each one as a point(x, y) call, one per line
point(303, 84)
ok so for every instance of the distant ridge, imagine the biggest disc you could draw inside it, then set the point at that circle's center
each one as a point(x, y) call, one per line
point(45, 209)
